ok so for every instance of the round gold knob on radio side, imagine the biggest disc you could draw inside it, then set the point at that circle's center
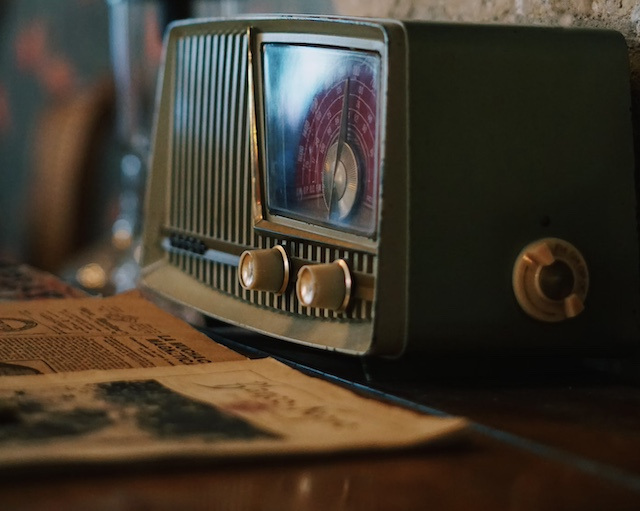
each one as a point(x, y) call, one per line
point(551, 280)
point(264, 270)
point(325, 286)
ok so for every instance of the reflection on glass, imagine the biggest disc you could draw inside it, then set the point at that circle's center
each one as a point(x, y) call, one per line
point(321, 135)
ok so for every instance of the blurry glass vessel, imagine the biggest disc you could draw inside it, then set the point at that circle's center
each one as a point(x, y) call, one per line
point(136, 28)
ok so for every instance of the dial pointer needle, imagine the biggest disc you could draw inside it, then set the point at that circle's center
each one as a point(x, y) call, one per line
point(342, 137)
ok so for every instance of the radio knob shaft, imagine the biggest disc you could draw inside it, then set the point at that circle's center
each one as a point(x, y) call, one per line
point(325, 286)
point(264, 270)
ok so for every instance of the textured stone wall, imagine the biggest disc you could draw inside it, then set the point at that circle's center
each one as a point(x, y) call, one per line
point(621, 15)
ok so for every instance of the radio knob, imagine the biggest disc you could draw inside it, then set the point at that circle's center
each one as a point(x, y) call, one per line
point(551, 280)
point(325, 286)
point(264, 270)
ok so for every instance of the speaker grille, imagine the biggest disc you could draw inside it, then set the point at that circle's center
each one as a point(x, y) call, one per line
point(211, 194)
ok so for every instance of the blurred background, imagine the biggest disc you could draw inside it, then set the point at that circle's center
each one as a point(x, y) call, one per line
point(51, 54)
point(77, 86)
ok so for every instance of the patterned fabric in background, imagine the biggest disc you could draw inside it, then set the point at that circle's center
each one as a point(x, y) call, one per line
point(49, 52)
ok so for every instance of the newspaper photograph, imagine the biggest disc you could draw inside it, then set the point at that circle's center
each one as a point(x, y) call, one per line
point(232, 409)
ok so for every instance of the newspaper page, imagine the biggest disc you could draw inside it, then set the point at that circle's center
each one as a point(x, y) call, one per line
point(124, 331)
point(235, 409)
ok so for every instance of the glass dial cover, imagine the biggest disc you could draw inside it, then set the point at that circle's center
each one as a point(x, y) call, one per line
point(321, 119)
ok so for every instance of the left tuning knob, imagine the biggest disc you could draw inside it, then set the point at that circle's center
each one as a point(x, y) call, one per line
point(265, 270)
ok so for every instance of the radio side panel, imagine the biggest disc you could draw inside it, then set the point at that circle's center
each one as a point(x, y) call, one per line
point(518, 134)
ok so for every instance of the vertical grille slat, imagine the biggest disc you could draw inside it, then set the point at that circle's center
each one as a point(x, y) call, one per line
point(216, 136)
point(225, 59)
point(210, 143)
point(242, 159)
point(206, 105)
point(183, 123)
point(245, 209)
point(235, 60)
point(210, 182)
point(191, 114)
point(174, 196)
point(198, 129)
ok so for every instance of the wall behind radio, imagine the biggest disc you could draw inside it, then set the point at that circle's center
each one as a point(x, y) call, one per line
point(54, 63)
point(621, 15)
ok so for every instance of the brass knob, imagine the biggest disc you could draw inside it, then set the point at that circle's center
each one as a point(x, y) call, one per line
point(325, 286)
point(264, 270)
point(551, 280)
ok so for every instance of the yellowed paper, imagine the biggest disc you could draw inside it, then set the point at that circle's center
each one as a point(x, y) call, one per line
point(125, 331)
point(245, 408)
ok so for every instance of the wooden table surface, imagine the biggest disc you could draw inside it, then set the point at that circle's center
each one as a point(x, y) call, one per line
point(546, 435)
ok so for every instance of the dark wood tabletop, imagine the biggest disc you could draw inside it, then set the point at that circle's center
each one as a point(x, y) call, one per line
point(483, 473)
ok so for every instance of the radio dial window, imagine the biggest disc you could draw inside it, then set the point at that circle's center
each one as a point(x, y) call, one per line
point(321, 119)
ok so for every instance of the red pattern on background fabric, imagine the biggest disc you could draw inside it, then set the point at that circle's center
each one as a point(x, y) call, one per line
point(5, 110)
point(30, 45)
point(35, 54)
point(152, 38)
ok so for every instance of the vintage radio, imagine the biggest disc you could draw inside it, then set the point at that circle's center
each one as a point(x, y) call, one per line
point(381, 187)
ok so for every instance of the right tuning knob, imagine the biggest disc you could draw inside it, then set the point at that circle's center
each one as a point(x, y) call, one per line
point(326, 286)
point(551, 280)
